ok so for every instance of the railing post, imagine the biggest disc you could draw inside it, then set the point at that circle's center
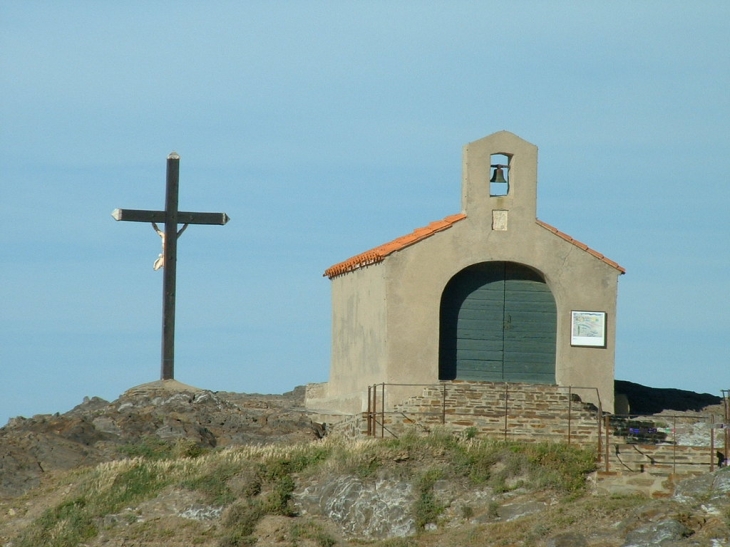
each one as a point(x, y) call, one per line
point(382, 412)
point(506, 409)
point(726, 421)
point(674, 446)
point(570, 407)
point(712, 443)
point(608, 455)
point(375, 409)
point(443, 404)
point(369, 415)
point(600, 433)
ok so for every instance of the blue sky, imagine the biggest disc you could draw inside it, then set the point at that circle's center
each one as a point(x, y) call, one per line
point(324, 129)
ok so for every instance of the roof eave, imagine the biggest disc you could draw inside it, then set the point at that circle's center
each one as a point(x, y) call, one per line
point(378, 254)
point(582, 246)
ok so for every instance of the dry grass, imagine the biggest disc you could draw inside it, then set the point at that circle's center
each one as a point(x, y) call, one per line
point(248, 483)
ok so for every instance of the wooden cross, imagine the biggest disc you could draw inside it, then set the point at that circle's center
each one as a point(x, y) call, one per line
point(171, 217)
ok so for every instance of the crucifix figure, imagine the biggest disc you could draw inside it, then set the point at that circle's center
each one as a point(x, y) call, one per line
point(167, 260)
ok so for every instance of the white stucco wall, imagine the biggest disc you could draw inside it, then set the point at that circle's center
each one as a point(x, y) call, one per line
point(359, 331)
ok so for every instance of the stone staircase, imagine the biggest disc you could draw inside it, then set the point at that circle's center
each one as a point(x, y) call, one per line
point(646, 445)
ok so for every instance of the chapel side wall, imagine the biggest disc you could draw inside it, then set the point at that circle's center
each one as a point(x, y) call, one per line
point(358, 337)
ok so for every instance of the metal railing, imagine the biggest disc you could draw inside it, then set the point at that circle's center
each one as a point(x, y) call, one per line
point(661, 446)
point(446, 413)
point(665, 441)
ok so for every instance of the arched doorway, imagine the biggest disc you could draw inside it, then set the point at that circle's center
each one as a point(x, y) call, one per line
point(498, 323)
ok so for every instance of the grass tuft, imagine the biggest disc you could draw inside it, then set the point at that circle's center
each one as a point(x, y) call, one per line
point(427, 508)
point(313, 531)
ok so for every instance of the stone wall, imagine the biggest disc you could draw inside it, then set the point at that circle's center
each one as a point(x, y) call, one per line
point(680, 445)
point(520, 412)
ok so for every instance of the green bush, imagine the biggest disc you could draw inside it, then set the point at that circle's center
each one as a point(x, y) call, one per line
point(312, 531)
point(240, 522)
point(277, 502)
point(187, 448)
point(214, 483)
point(151, 448)
point(427, 509)
point(470, 433)
point(67, 525)
point(560, 466)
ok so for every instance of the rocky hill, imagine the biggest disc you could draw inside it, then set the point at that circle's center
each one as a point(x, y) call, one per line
point(160, 412)
point(167, 464)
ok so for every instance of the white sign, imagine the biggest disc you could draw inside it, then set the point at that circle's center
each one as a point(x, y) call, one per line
point(588, 328)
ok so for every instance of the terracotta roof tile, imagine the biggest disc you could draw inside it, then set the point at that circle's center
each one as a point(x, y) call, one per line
point(379, 253)
point(580, 245)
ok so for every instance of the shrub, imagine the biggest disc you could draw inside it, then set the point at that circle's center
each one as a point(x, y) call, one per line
point(214, 483)
point(66, 525)
point(240, 522)
point(427, 508)
point(560, 466)
point(150, 448)
point(277, 502)
point(312, 531)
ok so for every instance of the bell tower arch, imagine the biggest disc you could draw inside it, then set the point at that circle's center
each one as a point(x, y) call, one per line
point(498, 205)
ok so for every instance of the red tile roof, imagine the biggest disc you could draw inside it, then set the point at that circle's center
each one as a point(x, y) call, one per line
point(378, 254)
point(580, 245)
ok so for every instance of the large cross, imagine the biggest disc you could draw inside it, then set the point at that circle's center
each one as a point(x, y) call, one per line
point(171, 217)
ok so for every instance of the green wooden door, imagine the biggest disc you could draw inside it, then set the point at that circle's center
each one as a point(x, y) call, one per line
point(498, 323)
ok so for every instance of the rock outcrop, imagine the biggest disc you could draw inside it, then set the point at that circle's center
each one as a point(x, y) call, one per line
point(160, 412)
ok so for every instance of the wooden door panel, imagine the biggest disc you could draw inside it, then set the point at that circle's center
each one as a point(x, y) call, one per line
point(498, 323)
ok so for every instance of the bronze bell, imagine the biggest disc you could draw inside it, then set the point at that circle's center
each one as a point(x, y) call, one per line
point(498, 175)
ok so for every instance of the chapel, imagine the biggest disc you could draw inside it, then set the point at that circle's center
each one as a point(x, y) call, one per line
point(489, 294)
